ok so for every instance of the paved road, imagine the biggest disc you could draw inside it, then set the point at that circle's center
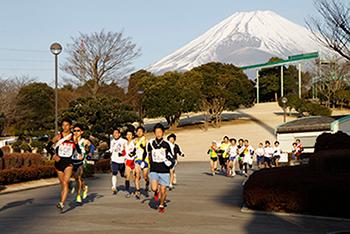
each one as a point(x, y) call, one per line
point(199, 204)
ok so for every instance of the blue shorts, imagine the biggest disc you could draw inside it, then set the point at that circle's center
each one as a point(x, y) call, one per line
point(267, 159)
point(232, 158)
point(162, 178)
point(260, 159)
point(138, 162)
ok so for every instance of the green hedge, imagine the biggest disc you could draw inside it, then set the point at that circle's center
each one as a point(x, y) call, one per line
point(320, 188)
point(14, 175)
point(303, 106)
point(18, 160)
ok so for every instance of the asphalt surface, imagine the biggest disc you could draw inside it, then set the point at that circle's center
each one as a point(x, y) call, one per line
point(200, 204)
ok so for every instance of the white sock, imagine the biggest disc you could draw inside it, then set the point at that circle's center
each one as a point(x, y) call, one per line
point(114, 181)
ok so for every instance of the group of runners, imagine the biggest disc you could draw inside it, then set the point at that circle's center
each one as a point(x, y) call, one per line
point(238, 155)
point(132, 157)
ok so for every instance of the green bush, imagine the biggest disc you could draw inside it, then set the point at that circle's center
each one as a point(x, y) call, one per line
point(39, 145)
point(303, 106)
point(14, 175)
point(17, 146)
point(320, 188)
point(316, 109)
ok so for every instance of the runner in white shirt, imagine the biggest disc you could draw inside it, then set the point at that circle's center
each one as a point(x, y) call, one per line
point(240, 147)
point(117, 149)
point(276, 154)
point(248, 152)
point(232, 151)
point(130, 150)
point(260, 152)
point(268, 154)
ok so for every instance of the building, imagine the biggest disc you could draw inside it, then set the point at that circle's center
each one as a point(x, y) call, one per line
point(307, 129)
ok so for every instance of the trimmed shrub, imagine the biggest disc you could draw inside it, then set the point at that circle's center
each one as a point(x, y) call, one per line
point(316, 109)
point(303, 106)
point(327, 141)
point(13, 175)
point(6, 149)
point(320, 188)
point(18, 160)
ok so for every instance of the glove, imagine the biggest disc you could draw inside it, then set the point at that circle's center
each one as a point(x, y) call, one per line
point(167, 163)
point(143, 165)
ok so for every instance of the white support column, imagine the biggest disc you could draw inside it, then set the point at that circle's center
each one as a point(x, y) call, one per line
point(299, 80)
point(282, 93)
point(257, 87)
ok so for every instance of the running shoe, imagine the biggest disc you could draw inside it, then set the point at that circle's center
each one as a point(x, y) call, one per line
point(161, 209)
point(114, 191)
point(127, 195)
point(78, 199)
point(138, 196)
point(85, 192)
point(60, 206)
point(213, 174)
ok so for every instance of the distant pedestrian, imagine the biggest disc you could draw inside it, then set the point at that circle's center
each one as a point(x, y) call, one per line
point(268, 154)
point(260, 152)
point(276, 154)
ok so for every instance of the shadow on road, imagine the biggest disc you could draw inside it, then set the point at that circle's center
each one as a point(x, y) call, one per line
point(196, 120)
point(90, 198)
point(16, 204)
point(259, 122)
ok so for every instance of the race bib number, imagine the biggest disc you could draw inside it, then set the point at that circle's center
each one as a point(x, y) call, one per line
point(158, 155)
point(65, 150)
point(117, 147)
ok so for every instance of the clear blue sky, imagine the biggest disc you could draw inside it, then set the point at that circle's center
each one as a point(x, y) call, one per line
point(27, 28)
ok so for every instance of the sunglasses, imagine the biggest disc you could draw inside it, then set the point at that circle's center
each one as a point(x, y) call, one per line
point(76, 130)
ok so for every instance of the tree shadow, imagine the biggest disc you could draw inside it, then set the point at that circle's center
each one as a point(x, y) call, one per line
point(259, 122)
point(16, 204)
point(195, 120)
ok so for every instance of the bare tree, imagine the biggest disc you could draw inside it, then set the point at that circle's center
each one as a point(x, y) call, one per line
point(100, 57)
point(334, 77)
point(9, 88)
point(333, 28)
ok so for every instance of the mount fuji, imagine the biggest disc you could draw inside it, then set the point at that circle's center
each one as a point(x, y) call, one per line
point(244, 38)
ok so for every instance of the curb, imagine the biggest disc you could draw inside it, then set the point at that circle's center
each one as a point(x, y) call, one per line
point(28, 188)
point(246, 210)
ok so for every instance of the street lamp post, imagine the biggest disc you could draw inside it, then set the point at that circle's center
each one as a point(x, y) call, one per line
point(284, 101)
point(56, 49)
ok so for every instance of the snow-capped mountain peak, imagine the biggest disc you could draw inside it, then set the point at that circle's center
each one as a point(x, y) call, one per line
point(242, 39)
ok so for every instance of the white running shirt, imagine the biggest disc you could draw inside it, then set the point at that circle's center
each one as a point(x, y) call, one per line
point(117, 147)
point(268, 152)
